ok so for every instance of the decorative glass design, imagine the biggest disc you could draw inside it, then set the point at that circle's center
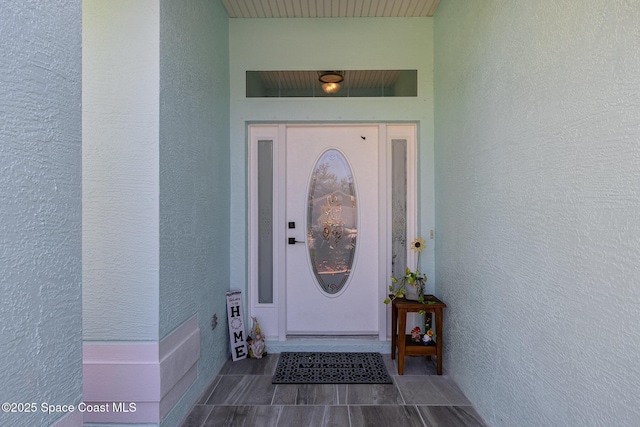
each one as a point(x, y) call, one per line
point(332, 221)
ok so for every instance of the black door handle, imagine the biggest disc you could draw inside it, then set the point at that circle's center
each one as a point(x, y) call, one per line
point(293, 241)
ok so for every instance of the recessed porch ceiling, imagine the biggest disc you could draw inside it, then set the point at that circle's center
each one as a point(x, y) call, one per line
point(329, 8)
point(357, 82)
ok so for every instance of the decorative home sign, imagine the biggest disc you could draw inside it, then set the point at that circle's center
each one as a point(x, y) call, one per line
point(236, 325)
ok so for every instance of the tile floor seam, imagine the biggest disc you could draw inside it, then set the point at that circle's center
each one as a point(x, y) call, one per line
point(204, 419)
point(399, 391)
point(346, 395)
point(279, 414)
point(444, 398)
point(217, 379)
point(424, 423)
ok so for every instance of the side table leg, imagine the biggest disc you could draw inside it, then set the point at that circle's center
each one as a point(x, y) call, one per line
point(439, 329)
point(427, 325)
point(394, 330)
point(402, 341)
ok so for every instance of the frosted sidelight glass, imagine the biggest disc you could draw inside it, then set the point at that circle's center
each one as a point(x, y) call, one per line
point(265, 222)
point(332, 221)
point(399, 206)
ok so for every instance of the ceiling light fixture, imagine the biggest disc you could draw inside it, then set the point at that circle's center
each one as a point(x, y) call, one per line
point(331, 80)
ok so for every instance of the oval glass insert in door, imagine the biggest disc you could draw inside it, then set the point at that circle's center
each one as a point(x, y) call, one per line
point(332, 221)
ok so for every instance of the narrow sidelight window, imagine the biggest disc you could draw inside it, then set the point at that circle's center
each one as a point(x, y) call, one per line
point(399, 203)
point(265, 221)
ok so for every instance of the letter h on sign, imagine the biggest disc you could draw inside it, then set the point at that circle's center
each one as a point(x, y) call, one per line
point(236, 325)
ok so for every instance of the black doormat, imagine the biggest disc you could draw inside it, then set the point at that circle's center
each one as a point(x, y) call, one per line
point(331, 368)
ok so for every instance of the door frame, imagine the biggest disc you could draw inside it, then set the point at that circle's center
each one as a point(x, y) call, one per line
point(272, 316)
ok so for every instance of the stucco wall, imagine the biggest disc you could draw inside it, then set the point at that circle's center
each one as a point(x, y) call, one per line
point(319, 44)
point(194, 179)
point(537, 135)
point(40, 207)
point(120, 207)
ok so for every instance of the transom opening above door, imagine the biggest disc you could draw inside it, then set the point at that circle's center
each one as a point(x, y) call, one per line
point(324, 83)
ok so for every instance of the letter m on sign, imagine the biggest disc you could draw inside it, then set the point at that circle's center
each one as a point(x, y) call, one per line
point(236, 325)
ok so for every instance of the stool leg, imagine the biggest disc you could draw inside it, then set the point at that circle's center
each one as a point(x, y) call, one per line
point(402, 341)
point(394, 330)
point(439, 340)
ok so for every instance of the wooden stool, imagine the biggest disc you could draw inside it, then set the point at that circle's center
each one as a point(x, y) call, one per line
point(406, 347)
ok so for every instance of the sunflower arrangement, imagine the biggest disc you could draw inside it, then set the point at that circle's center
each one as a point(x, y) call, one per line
point(416, 278)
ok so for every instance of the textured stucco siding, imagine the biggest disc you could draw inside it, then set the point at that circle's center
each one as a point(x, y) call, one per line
point(537, 132)
point(120, 215)
point(40, 207)
point(194, 180)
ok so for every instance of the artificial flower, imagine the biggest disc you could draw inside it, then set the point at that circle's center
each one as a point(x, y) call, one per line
point(418, 244)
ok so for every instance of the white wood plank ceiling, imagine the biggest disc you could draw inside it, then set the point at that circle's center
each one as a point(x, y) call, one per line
point(329, 8)
point(356, 79)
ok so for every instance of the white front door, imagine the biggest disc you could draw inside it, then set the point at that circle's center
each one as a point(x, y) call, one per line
point(332, 213)
point(346, 195)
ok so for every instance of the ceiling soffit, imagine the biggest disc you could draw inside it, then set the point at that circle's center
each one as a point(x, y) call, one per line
point(330, 8)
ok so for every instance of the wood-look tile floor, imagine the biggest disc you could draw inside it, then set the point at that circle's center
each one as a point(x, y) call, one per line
point(242, 395)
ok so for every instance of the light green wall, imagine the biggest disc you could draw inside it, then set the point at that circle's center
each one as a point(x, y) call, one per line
point(40, 210)
point(537, 208)
point(120, 121)
point(319, 44)
point(194, 180)
point(156, 176)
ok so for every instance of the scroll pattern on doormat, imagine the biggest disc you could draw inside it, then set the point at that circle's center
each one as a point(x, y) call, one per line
point(331, 368)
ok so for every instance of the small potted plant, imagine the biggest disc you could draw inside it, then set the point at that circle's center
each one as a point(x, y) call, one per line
point(415, 279)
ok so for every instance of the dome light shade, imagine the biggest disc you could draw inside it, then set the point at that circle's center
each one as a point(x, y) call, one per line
point(331, 80)
point(331, 87)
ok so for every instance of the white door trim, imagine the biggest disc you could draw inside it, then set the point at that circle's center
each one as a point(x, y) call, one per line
point(384, 228)
point(272, 316)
